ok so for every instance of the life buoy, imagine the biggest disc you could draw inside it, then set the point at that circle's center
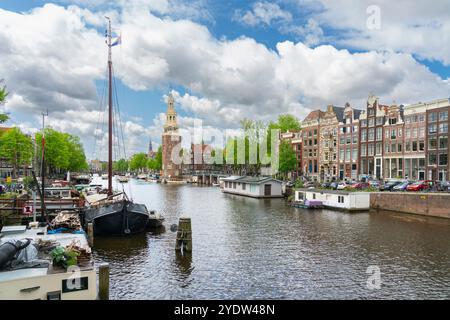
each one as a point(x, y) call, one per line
point(28, 210)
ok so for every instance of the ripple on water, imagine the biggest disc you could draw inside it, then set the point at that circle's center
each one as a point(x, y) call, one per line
point(261, 249)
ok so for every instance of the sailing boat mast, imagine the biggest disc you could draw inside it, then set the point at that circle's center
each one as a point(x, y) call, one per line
point(110, 111)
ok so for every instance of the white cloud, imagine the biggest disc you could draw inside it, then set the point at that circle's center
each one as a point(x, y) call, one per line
point(52, 56)
point(420, 27)
point(262, 12)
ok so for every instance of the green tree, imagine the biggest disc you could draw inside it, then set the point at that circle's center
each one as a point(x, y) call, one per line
point(288, 158)
point(138, 162)
point(62, 151)
point(3, 95)
point(285, 122)
point(77, 157)
point(158, 159)
point(16, 148)
point(121, 166)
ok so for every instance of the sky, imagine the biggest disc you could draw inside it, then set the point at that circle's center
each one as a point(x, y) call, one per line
point(223, 61)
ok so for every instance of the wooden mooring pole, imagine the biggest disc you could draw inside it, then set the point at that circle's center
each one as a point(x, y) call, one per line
point(90, 233)
point(103, 281)
point(184, 235)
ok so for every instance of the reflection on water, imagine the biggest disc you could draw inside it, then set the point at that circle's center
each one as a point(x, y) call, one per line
point(246, 248)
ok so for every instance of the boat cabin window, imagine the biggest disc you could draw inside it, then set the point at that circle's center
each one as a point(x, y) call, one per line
point(314, 196)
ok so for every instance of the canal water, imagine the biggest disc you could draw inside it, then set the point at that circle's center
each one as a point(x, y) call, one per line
point(246, 248)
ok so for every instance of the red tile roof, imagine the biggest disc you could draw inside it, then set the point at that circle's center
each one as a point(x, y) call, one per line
point(314, 115)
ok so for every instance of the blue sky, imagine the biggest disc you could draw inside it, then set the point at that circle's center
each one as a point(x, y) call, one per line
point(255, 59)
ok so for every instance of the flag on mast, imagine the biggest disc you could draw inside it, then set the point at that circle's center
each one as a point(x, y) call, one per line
point(117, 41)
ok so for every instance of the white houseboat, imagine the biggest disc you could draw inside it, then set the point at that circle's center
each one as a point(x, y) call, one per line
point(334, 199)
point(256, 187)
point(27, 271)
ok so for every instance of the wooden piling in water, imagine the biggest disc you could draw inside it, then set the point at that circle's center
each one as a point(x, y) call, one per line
point(90, 232)
point(103, 281)
point(184, 235)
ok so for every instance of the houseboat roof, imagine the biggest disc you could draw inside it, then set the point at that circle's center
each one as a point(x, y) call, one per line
point(249, 179)
point(339, 192)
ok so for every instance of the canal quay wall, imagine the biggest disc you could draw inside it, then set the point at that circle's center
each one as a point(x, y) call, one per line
point(427, 204)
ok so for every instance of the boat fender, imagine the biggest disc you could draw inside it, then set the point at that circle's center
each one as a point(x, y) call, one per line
point(9, 250)
point(174, 227)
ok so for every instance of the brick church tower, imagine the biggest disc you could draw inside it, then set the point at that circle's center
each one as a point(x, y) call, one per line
point(170, 139)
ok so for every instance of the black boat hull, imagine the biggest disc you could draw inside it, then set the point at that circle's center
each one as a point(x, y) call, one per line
point(118, 219)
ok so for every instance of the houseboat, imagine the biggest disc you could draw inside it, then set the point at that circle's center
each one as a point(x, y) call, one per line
point(28, 271)
point(255, 187)
point(333, 199)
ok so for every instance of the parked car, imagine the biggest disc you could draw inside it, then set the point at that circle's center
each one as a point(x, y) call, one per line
point(325, 185)
point(290, 184)
point(402, 186)
point(334, 185)
point(418, 186)
point(389, 186)
point(309, 184)
point(443, 186)
point(359, 185)
point(344, 185)
point(375, 184)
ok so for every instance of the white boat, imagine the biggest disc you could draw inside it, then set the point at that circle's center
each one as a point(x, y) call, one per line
point(123, 179)
point(27, 271)
point(142, 176)
point(104, 176)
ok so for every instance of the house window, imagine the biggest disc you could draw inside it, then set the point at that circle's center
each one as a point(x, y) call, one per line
point(408, 133)
point(341, 154)
point(379, 121)
point(443, 128)
point(414, 146)
point(408, 146)
point(371, 149)
point(443, 142)
point(394, 134)
point(371, 122)
point(421, 145)
point(379, 134)
point(432, 159)
point(443, 116)
point(371, 134)
point(363, 149)
point(364, 135)
point(414, 132)
point(354, 154)
point(347, 155)
point(422, 133)
point(443, 159)
point(432, 144)
point(432, 129)
point(432, 117)
point(379, 148)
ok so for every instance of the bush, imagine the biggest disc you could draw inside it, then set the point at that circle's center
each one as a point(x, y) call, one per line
point(299, 184)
